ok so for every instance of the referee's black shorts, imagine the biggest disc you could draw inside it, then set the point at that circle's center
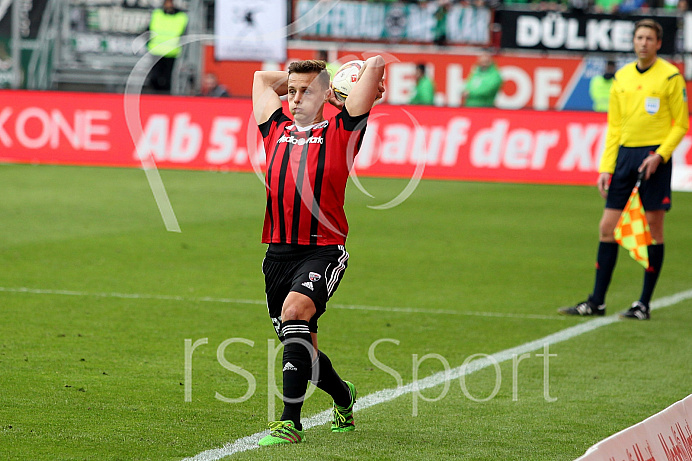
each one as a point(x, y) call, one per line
point(314, 271)
point(654, 192)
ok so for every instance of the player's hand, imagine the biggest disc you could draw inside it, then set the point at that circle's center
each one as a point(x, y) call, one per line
point(604, 184)
point(331, 99)
point(380, 91)
point(650, 164)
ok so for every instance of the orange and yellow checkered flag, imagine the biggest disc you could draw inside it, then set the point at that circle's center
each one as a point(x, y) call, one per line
point(632, 230)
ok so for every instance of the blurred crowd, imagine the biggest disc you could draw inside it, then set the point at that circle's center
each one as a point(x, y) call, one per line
point(602, 6)
point(584, 6)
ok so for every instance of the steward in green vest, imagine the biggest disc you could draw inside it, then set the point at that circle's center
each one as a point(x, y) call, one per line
point(167, 25)
point(483, 83)
point(424, 93)
point(599, 88)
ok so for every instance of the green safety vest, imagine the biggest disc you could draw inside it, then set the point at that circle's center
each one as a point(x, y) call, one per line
point(599, 90)
point(166, 30)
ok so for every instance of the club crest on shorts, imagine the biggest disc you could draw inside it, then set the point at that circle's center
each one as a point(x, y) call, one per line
point(314, 276)
point(652, 105)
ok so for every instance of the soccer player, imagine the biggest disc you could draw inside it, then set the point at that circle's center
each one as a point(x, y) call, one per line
point(647, 118)
point(308, 162)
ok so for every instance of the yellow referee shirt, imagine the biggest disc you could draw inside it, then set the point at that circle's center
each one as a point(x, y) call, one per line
point(645, 109)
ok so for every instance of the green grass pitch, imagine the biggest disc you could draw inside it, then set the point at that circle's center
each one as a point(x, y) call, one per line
point(97, 301)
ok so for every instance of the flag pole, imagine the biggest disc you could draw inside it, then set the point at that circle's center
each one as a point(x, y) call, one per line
point(632, 230)
point(640, 178)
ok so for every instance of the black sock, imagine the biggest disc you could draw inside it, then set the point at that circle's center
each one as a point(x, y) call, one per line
point(651, 274)
point(329, 381)
point(605, 264)
point(297, 362)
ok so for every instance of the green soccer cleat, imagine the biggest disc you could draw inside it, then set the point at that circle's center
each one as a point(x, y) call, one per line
point(281, 432)
point(343, 417)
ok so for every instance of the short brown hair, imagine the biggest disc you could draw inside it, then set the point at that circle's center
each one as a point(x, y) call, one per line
point(311, 66)
point(651, 24)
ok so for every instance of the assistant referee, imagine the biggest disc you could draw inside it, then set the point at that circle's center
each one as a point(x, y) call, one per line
point(308, 162)
point(647, 118)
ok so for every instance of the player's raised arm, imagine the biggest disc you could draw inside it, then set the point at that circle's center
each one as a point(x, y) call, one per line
point(267, 87)
point(368, 87)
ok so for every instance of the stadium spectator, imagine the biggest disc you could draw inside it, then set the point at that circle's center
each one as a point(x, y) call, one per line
point(167, 25)
point(440, 15)
point(673, 5)
point(599, 87)
point(306, 257)
point(424, 92)
point(579, 6)
point(647, 118)
point(483, 83)
point(211, 87)
point(540, 5)
point(332, 67)
point(632, 6)
point(519, 2)
point(605, 6)
point(480, 3)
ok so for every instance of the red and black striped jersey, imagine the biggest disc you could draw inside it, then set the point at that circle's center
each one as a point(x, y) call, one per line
point(306, 176)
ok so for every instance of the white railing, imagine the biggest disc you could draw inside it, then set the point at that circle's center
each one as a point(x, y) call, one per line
point(186, 72)
point(44, 53)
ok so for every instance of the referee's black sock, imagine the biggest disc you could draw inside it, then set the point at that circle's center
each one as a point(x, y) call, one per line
point(297, 361)
point(329, 381)
point(651, 275)
point(605, 264)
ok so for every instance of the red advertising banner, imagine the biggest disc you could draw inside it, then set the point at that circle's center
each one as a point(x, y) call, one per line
point(553, 82)
point(401, 141)
point(529, 82)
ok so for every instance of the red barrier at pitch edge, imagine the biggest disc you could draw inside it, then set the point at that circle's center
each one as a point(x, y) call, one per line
point(220, 134)
point(665, 436)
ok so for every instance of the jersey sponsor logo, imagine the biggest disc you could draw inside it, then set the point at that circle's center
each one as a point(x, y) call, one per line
point(314, 276)
point(308, 285)
point(301, 141)
point(316, 126)
point(652, 105)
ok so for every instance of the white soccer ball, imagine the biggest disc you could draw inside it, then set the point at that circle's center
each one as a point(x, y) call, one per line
point(345, 79)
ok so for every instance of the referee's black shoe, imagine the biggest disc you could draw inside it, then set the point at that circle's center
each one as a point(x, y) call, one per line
point(638, 311)
point(584, 308)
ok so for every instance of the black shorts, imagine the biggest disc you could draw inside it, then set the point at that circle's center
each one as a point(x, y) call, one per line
point(654, 192)
point(314, 271)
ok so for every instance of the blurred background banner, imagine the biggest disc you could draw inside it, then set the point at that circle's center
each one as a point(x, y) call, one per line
point(253, 31)
point(108, 27)
point(394, 22)
point(541, 30)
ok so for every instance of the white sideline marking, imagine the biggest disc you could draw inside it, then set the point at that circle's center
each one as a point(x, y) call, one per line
point(258, 302)
point(385, 395)
point(447, 312)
